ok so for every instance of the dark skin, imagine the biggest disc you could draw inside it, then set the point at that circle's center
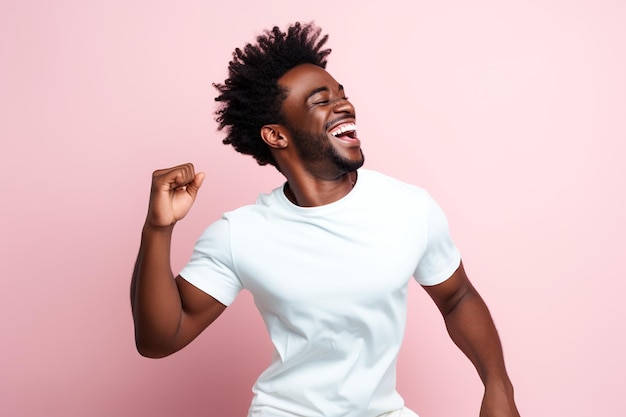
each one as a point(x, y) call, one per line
point(169, 313)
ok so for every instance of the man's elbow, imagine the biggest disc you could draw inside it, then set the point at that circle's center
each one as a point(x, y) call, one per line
point(152, 354)
point(152, 350)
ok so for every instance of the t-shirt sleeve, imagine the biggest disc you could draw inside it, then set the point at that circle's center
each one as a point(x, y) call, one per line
point(441, 256)
point(211, 267)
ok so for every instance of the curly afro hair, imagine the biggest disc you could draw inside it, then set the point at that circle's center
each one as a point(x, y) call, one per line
point(250, 97)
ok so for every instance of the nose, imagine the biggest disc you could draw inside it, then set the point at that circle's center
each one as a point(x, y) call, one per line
point(343, 105)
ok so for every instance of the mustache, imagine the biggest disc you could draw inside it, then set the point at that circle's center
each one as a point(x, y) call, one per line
point(338, 120)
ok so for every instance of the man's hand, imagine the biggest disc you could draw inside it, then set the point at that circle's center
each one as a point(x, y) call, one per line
point(173, 193)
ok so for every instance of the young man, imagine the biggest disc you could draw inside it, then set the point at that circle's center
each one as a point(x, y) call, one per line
point(327, 256)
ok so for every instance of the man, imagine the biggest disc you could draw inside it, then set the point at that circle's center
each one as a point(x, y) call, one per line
point(328, 256)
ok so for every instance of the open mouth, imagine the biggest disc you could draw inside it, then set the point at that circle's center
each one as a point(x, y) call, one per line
point(344, 131)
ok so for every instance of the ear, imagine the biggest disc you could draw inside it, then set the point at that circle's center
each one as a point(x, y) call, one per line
point(274, 136)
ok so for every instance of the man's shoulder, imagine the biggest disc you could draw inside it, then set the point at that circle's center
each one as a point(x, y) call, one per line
point(263, 203)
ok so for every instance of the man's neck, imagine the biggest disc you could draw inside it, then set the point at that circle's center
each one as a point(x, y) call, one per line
point(306, 191)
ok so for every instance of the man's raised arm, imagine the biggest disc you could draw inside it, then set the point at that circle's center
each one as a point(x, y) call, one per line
point(168, 313)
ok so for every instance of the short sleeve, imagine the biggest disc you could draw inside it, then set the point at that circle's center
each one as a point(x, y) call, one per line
point(211, 267)
point(441, 256)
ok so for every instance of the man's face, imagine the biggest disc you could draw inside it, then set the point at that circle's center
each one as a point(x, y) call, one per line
point(320, 120)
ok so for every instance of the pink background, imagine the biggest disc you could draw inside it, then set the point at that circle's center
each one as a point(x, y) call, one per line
point(513, 116)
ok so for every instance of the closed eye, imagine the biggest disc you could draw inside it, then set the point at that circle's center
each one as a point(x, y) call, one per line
point(324, 102)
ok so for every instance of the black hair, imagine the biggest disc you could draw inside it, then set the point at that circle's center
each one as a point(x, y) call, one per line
point(250, 97)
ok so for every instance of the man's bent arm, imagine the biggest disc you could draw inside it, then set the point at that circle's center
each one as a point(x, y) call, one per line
point(471, 327)
point(167, 313)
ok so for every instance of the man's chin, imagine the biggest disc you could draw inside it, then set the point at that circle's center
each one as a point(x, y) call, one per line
point(350, 165)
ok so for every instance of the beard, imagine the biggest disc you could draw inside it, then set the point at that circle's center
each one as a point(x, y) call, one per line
point(317, 149)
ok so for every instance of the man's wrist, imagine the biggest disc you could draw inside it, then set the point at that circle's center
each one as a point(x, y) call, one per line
point(152, 230)
point(501, 385)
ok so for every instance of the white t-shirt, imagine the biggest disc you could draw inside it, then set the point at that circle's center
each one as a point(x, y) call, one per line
point(330, 283)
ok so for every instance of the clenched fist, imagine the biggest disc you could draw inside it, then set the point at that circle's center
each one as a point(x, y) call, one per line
point(173, 192)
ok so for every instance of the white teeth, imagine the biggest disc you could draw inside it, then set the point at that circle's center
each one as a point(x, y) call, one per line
point(343, 129)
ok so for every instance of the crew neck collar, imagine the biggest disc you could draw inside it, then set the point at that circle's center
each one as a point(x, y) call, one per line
point(318, 209)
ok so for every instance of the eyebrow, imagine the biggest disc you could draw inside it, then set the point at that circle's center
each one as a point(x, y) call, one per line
point(320, 89)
